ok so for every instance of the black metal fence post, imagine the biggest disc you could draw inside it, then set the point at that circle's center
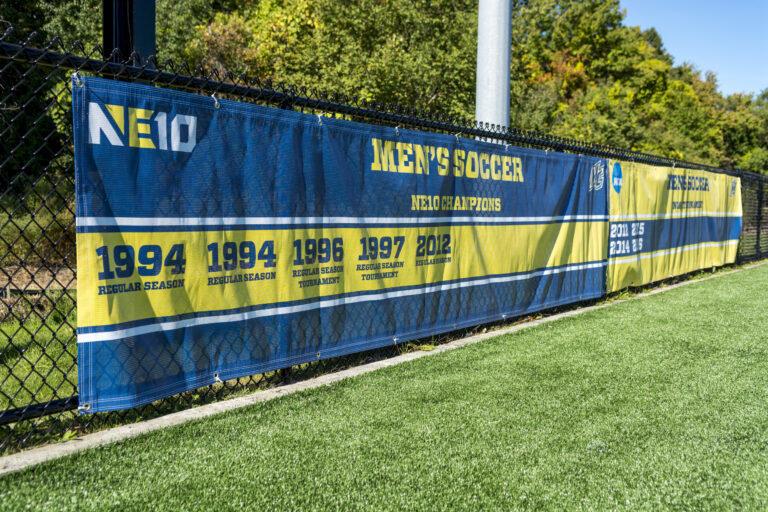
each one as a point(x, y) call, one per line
point(144, 31)
point(129, 26)
point(116, 29)
point(759, 222)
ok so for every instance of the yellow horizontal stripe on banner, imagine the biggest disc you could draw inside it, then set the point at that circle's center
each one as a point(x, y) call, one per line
point(644, 268)
point(474, 251)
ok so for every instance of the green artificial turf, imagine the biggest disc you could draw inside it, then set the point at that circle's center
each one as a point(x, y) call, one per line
point(654, 403)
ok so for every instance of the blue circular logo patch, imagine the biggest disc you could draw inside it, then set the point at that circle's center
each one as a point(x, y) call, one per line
point(616, 178)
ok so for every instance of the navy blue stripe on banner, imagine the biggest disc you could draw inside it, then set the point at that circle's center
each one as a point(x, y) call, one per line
point(148, 367)
point(258, 227)
point(662, 234)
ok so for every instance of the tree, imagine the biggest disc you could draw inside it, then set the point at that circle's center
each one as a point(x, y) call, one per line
point(577, 70)
point(421, 53)
point(177, 23)
point(29, 135)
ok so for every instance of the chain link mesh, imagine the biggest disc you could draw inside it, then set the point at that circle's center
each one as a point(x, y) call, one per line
point(38, 278)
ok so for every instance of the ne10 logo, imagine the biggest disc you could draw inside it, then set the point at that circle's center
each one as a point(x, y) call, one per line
point(144, 126)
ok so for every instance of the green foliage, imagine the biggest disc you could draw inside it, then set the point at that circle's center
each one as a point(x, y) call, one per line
point(72, 21)
point(419, 54)
point(577, 70)
point(29, 136)
point(176, 22)
point(755, 159)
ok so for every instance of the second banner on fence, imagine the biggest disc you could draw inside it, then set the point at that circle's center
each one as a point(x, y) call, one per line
point(666, 222)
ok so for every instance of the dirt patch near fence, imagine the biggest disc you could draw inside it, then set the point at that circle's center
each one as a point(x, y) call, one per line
point(36, 279)
point(30, 294)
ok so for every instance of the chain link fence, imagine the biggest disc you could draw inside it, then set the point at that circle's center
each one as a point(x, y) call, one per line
point(38, 278)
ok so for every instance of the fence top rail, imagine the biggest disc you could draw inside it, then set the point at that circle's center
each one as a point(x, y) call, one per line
point(77, 58)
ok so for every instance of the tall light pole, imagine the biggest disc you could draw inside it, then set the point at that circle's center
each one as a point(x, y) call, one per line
point(494, 42)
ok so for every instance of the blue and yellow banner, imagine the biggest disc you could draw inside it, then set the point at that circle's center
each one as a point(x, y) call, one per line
point(218, 239)
point(666, 222)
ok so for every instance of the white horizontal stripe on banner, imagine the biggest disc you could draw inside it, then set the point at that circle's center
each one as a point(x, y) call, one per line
point(230, 221)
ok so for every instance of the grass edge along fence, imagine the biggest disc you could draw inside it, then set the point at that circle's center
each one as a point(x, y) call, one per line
point(37, 268)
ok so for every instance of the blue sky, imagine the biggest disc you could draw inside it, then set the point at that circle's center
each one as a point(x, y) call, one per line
point(727, 37)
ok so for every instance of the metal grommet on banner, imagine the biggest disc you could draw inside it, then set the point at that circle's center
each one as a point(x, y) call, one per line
point(319, 123)
point(397, 131)
point(506, 147)
point(216, 103)
point(216, 377)
point(84, 407)
point(76, 78)
point(457, 136)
